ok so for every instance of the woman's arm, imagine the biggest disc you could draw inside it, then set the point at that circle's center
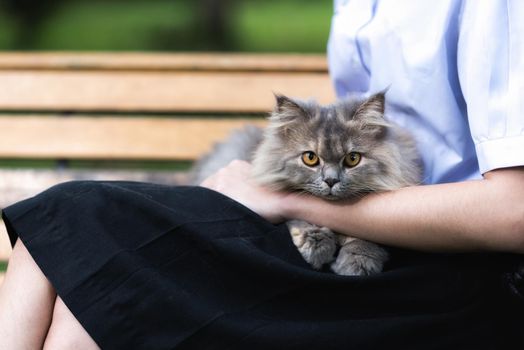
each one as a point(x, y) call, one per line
point(485, 214)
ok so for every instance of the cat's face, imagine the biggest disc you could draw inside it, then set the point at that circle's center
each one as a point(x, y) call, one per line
point(333, 152)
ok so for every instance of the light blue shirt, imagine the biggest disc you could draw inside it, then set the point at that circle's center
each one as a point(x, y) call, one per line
point(455, 74)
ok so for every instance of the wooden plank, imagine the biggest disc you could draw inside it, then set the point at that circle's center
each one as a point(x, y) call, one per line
point(83, 137)
point(19, 184)
point(163, 61)
point(155, 91)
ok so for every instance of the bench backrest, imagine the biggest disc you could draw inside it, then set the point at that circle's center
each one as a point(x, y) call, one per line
point(139, 107)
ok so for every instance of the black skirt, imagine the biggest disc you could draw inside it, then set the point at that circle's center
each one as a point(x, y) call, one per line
point(145, 266)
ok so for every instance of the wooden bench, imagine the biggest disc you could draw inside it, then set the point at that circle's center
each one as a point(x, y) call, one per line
point(165, 108)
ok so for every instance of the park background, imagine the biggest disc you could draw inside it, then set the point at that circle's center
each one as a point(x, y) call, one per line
point(165, 25)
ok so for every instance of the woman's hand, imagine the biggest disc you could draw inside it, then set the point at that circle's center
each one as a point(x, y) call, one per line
point(235, 181)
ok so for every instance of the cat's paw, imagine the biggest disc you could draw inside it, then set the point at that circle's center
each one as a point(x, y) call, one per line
point(359, 258)
point(316, 244)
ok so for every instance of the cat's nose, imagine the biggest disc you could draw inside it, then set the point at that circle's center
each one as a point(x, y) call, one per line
point(331, 181)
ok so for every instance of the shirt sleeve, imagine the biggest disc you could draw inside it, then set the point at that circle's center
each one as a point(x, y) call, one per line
point(490, 56)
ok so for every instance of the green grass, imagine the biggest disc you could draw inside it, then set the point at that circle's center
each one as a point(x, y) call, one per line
point(166, 25)
point(3, 265)
point(106, 25)
point(6, 31)
point(130, 164)
point(27, 163)
point(96, 164)
point(283, 26)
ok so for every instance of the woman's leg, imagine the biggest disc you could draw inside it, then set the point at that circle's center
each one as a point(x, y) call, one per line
point(26, 302)
point(66, 332)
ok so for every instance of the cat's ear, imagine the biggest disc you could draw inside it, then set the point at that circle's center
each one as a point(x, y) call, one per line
point(370, 113)
point(284, 103)
point(287, 109)
point(371, 108)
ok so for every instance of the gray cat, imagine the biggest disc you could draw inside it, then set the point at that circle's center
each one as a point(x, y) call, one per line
point(337, 151)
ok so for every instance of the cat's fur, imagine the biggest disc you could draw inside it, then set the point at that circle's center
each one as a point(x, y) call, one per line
point(389, 160)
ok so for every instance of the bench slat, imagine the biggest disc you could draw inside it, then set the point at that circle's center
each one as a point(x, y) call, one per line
point(167, 61)
point(155, 91)
point(82, 137)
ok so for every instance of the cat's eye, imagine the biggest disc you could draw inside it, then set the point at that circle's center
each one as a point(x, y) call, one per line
point(310, 158)
point(352, 159)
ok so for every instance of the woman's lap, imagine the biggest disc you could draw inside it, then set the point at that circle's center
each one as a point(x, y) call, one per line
point(150, 266)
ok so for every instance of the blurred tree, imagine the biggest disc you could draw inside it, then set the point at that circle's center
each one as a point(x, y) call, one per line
point(209, 28)
point(29, 16)
point(213, 20)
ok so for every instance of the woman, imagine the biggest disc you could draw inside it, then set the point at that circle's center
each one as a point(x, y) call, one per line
point(138, 269)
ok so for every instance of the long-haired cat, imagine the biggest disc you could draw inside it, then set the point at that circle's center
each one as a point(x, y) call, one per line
point(334, 152)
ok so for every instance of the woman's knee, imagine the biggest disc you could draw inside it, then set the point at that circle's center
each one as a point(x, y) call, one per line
point(26, 303)
point(66, 332)
point(23, 268)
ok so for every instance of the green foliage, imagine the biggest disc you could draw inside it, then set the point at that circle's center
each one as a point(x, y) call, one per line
point(95, 164)
point(165, 25)
point(3, 266)
point(283, 26)
point(27, 163)
point(6, 31)
point(130, 164)
point(109, 25)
